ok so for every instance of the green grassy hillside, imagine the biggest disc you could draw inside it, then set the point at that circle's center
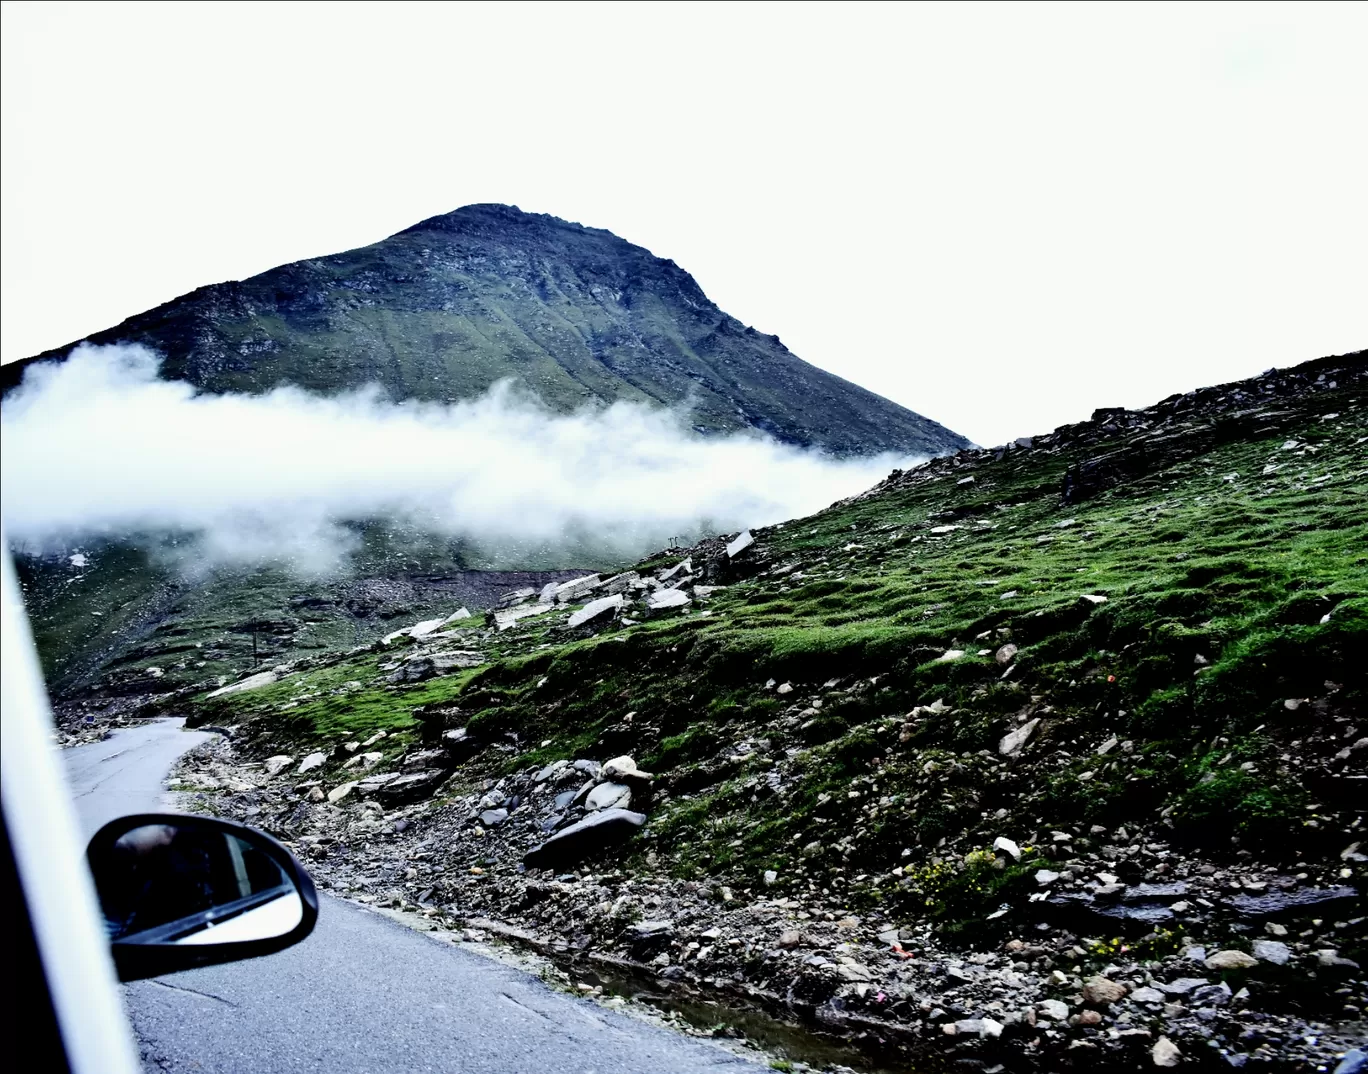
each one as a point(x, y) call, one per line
point(1184, 643)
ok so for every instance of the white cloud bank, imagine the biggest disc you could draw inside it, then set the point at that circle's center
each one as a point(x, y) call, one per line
point(98, 445)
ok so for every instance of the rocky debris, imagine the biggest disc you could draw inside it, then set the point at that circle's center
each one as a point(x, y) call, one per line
point(312, 761)
point(1006, 654)
point(602, 608)
point(457, 858)
point(273, 766)
point(587, 837)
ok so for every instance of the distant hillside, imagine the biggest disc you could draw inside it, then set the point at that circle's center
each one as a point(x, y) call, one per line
point(577, 315)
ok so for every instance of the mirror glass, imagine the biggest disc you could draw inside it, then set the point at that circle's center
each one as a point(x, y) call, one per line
point(186, 883)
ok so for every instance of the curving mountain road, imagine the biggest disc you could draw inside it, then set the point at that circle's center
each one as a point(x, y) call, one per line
point(363, 994)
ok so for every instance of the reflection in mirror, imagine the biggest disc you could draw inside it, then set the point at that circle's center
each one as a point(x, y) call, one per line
point(193, 884)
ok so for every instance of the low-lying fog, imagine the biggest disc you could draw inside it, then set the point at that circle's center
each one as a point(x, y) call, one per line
point(97, 446)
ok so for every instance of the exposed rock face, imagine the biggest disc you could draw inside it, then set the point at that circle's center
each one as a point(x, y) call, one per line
point(448, 307)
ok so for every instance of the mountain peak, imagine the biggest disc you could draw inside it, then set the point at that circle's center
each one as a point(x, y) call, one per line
point(578, 316)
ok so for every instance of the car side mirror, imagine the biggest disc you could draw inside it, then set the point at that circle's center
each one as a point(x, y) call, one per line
point(182, 891)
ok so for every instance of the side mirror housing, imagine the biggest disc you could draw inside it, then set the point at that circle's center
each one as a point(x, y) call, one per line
point(180, 891)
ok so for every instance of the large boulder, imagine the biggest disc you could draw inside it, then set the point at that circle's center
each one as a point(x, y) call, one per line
point(410, 788)
point(412, 671)
point(592, 835)
point(602, 609)
point(459, 744)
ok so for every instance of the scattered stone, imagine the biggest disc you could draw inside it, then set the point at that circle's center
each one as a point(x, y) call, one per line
point(277, 764)
point(1165, 1053)
point(1102, 991)
point(949, 655)
point(1006, 846)
point(1147, 995)
point(1006, 654)
point(1053, 1009)
point(1274, 951)
point(312, 761)
point(492, 818)
point(341, 791)
point(1014, 740)
point(1229, 960)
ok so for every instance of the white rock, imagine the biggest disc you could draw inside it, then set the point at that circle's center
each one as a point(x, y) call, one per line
point(568, 592)
point(1006, 654)
point(949, 655)
point(548, 593)
point(743, 541)
point(277, 764)
point(341, 791)
point(508, 617)
point(668, 598)
point(1014, 740)
point(609, 796)
point(784, 688)
point(622, 768)
point(1053, 1009)
point(252, 682)
point(1008, 847)
point(620, 582)
point(1165, 1053)
point(684, 566)
point(771, 877)
point(1046, 877)
point(460, 613)
point(604, 607)
point(314, 760)
point(1093, 598)
point(426, 627)
point(1274, 951)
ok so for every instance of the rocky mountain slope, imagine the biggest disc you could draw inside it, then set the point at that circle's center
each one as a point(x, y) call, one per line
point(575, 315)
point(1049, 757)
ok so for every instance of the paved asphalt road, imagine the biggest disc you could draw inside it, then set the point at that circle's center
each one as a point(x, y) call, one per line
point(363, 994)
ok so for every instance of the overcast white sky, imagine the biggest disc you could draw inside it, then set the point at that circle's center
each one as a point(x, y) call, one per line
point(999, 216)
